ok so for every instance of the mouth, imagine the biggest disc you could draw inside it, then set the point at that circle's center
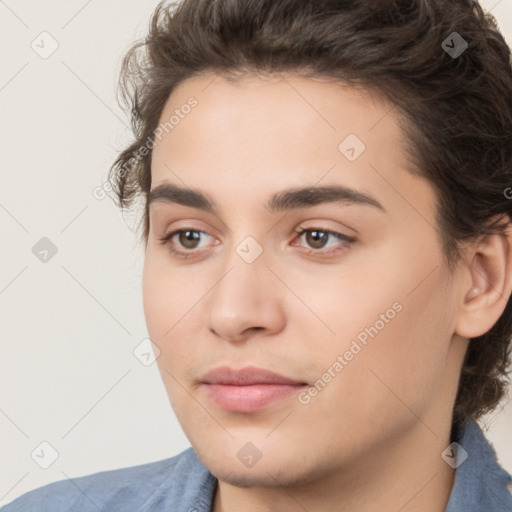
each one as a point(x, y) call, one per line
point(249, 389)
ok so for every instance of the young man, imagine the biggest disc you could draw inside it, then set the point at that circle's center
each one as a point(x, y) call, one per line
point(328, 263)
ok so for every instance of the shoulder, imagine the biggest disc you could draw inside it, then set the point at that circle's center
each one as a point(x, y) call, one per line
point(128, 489)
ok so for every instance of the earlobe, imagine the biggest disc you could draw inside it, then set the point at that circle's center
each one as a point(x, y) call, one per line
point(490, 271)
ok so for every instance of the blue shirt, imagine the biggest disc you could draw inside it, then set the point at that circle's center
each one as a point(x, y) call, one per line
point(183, 484)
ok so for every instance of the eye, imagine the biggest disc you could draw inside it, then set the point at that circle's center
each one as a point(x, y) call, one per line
point(187, 238)
point(317, 237)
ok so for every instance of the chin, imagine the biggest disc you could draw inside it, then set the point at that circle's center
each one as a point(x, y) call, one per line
point(276, 470)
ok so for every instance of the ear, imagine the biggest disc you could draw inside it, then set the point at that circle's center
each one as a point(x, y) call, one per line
point(489, 268)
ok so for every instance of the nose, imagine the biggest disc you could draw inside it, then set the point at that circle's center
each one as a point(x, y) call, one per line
point(248, 298)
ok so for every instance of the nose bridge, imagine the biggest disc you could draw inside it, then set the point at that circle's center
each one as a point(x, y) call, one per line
point(244, 274)
point(244, 296)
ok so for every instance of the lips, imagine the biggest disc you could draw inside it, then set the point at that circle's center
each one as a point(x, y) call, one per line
point(247, 376)
point(249, 389)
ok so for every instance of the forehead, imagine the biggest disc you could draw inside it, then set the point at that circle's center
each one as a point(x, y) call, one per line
point(253, 106)
point(283, 131)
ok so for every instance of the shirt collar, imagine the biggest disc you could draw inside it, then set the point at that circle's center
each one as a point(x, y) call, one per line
point(480, 483)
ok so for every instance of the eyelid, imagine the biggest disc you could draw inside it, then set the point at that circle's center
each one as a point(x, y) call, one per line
point(167, 237)
point(344, 241)
point(333, 232)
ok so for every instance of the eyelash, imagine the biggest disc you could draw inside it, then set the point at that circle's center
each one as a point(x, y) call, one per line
point(347, 242)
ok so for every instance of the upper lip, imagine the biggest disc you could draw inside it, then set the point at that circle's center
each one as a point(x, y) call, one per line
point(245, 377)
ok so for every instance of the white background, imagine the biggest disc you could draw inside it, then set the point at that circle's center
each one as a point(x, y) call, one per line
point(69, 326)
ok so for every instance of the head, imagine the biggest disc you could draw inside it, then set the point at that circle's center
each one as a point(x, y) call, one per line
point(400, 318)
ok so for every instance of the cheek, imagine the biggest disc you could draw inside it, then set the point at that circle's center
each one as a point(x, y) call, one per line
point(172, 313)
point(341, 302)
point(166, 295)
point(405, 364)
point(394, 319)
point(391, 377)
point(424, 332)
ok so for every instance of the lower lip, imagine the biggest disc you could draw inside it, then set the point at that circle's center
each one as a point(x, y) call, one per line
point(249, 398)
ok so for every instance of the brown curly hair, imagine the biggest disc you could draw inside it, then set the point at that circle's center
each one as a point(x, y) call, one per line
point(456, 112)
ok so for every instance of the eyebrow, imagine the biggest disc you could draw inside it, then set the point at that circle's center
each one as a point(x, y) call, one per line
point(284, 200)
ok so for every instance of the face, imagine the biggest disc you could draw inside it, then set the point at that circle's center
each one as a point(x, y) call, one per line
point(344, 293)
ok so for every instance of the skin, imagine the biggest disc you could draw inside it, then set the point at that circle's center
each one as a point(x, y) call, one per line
point(372, 438)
